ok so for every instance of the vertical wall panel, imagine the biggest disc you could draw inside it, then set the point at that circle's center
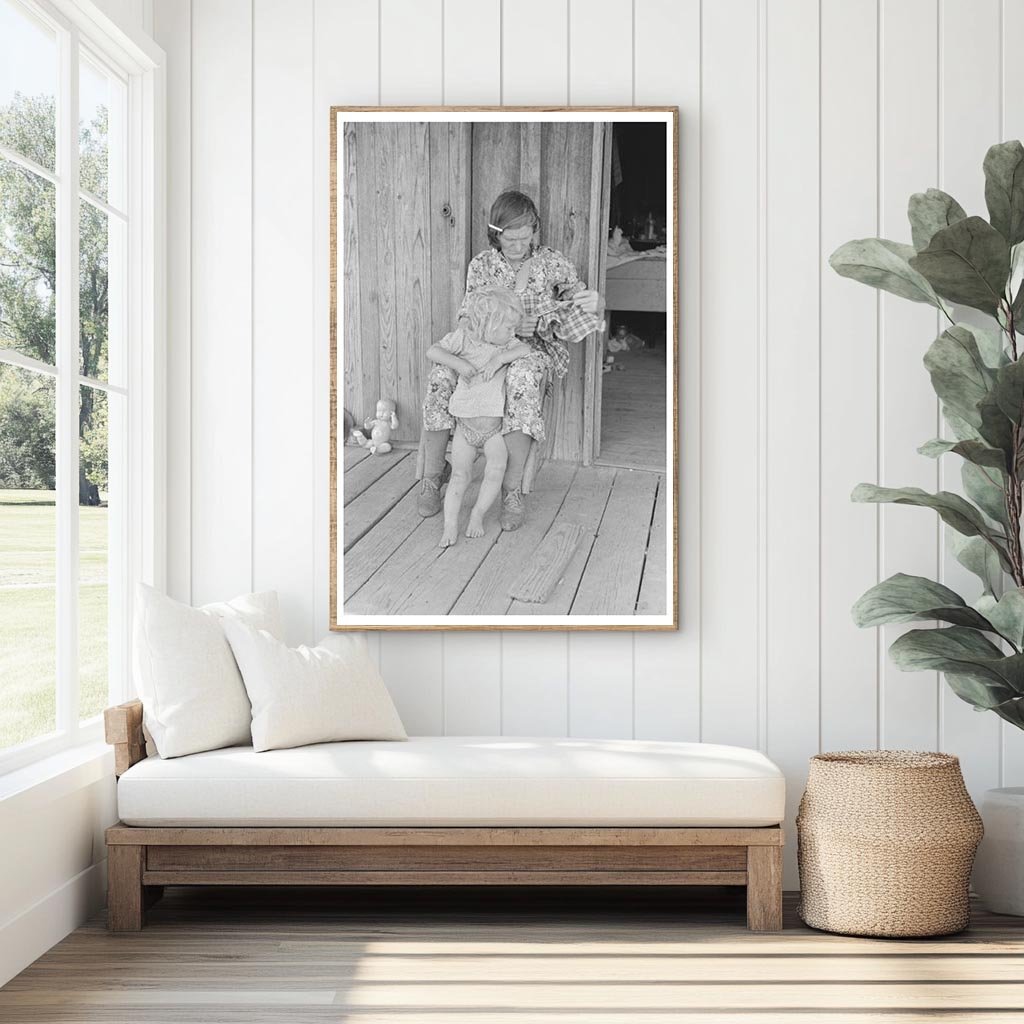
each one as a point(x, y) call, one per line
point(600, 667)
point(600, 684)
point(729, 359)
point(968, 125)
point(472, 52)
point(451, 218)
point(411, 665)
point(283, 308)
point(359, 318)
point(173, 30)
point(472, 75)
point(412, 72)
point(849, 372)
point(221, 377)
point(472, 684)
point(666, 666)
point(412, 271)
point(535, 684)
point(792, 384)
point(534, 63)
point(1012, 127)
point(410, 52)
point(601, 52)
point(567, 153)
point(349, 29)
point(497, 147)
point(909, 414)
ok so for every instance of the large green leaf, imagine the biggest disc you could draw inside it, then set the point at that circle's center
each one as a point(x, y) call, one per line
point(1016, 279)
point(996, 427)
point(1004, 189)
point(962, 430)
point(958, 372)
point(962, 651)
point(1011, 711)
point(986, 488)
point(983, 694)
point(903, 598)
point(1016, 308)
point(990, 345)
point(954, 510)
point(883, 264)
point(1009, 390)
point(973, 451)
point(976, 555)
point(1006, 614)
point(967, 263)
point(932, 211)
point(1015, 289)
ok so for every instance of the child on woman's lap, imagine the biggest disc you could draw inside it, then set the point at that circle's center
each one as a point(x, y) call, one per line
point(479, 350)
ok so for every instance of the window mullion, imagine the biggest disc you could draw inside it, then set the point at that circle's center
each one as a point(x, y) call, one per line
point(67, 387)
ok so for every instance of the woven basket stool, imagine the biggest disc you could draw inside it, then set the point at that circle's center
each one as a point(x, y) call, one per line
point(885, 843)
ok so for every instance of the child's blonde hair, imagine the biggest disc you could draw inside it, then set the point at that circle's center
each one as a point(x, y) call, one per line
point(487, 311)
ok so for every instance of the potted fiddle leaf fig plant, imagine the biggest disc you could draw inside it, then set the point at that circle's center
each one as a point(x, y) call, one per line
point(956, 260)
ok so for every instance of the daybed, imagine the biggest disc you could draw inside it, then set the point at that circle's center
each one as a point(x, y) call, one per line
point(444, 811)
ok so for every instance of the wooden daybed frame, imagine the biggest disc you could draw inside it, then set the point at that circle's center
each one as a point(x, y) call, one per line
point(142, 860)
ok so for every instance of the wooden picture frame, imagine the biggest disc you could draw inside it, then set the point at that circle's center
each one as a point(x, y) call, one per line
point(411, 190)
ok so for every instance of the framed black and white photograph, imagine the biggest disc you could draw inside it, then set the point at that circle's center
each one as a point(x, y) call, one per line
point(504, 353)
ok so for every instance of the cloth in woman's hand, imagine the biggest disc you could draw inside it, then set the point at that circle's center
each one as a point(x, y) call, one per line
point(560, 321)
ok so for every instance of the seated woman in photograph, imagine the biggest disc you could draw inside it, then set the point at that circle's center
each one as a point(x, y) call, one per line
point(478, 350)
point(559, 308)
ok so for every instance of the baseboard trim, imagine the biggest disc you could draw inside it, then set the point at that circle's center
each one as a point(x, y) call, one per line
point(26, 937)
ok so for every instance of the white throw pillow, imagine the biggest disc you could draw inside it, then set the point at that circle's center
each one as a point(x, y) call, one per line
point(192, 693)
point(309, 694)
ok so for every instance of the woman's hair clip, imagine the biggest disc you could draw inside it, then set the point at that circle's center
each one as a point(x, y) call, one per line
point(494, 227)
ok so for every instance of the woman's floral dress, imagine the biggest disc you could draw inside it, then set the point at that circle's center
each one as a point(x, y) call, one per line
point(552, 280)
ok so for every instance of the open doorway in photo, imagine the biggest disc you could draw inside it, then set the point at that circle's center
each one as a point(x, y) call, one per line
point(635, 389)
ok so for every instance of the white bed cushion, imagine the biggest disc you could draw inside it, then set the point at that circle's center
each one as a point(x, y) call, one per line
point(457, 780)
point(306, 695)
point(191, 690)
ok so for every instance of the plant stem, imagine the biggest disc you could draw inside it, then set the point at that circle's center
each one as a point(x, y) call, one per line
point(1012, 497)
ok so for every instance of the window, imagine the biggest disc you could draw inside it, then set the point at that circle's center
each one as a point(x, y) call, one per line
point(77, 249)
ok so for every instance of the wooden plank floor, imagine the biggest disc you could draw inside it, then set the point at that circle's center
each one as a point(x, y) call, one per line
point(392, 564)
point(633, 407)
point(600, 956)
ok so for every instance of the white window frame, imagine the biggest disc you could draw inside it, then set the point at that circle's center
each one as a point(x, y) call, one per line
point(141, 64)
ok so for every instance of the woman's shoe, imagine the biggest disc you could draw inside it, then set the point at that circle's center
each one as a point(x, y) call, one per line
point(512, 511)
point(429, 501)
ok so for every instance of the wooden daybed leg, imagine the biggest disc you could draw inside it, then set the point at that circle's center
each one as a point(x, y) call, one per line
point(125, 896)
point(764, 888)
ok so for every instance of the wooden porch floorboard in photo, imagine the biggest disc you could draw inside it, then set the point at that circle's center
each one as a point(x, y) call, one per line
point(605, 956)
point(633, 404)
point(367, 471)
point(392, 564)
point(354, 455)
point(368, 508)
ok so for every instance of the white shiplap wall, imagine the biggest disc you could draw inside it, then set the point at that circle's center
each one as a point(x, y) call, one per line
point(803, 123)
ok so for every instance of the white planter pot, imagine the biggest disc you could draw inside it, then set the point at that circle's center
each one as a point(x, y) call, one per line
point(999, 866)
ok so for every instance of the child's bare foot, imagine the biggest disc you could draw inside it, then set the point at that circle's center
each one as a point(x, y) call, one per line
point(449, 537)
point(476, 526)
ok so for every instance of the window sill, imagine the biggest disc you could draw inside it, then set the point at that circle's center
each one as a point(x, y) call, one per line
point(55, 776)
